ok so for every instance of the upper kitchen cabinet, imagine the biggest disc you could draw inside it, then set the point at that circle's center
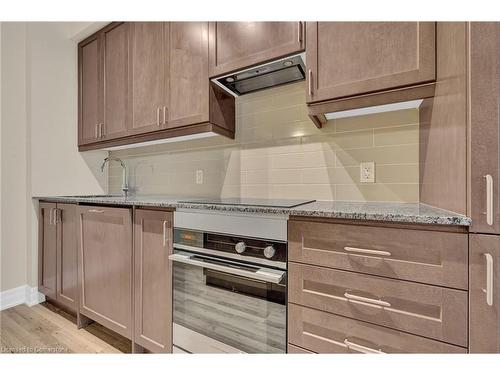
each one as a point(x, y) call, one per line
point(360, 64)
point(114, 51)
point(484, 126)
point(90, 90)
point(188, 74)
point(238, 45)
point(149, 78)
point(103, 80)
point(155, 86)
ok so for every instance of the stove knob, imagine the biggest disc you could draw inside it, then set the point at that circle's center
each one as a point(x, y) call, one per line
point(240, 247)
point(269, 251)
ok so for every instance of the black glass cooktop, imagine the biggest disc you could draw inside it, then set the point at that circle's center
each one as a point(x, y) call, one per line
point(280, 203)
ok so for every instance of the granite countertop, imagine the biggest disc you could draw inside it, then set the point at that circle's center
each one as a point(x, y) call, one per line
point(417, 213)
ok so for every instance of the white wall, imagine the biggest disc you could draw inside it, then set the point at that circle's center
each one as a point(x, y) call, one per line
point(15, 189)
point(39, 137)
point(57, 168)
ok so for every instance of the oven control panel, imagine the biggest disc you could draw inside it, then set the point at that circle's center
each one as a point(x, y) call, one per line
point(224, 243)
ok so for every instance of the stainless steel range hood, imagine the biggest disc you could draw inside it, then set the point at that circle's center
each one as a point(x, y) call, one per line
point(275, 73)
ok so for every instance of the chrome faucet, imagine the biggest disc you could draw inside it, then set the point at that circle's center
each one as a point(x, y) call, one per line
point(124, 173)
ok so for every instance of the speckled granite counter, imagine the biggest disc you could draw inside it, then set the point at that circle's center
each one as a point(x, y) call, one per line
point(417, 213)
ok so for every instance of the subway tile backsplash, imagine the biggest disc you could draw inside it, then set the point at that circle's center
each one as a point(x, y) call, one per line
point(279, 153)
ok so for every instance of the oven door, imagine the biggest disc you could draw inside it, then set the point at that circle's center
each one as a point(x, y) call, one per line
point(223, 306)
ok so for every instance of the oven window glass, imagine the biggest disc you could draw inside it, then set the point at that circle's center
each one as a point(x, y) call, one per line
point(242, 313)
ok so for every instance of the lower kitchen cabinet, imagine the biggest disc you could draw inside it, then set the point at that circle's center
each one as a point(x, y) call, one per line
point(47, 250)
point(153, 280)
point(105, 266)
point(484, 293)
point(57, 260)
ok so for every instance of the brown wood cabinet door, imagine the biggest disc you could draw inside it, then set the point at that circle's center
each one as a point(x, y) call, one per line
point(237, 45)
point(351, 58)
point(153, 280)
point(149, 78)
point(105, 266)
point(47, 250)
point(484, 296)
point(188, 75)
point(90, 90)
point(485, 126)
point(426, 310)
point(115, 66)
point(67, 291)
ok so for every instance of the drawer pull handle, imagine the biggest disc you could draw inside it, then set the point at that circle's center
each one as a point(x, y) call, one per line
point(165, 232)
point(377, 302)
point(97, 211)
point(489, 279)
point(310, 83)
point(361, 348)
point(489, 199)
point(367, 251)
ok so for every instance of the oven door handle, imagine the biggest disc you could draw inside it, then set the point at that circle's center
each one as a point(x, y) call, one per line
point(263, 274)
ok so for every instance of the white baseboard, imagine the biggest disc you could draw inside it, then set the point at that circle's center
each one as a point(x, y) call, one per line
point(22, 294)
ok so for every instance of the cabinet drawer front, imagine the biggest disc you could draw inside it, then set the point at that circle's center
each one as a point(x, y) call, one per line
point(322, 332)
point(431, 257)
point(292, 349)
point(430, 311)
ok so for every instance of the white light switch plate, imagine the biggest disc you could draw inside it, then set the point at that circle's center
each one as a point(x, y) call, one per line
point(199, 176)
point(367, 171)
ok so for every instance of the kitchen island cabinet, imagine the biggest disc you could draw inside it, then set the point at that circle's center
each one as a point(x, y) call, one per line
point(153, 280)
point(105, 266)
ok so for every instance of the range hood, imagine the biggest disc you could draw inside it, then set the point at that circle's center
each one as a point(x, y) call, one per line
point(275, 73)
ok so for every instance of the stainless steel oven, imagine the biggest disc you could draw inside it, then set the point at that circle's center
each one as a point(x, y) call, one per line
point(229, 289)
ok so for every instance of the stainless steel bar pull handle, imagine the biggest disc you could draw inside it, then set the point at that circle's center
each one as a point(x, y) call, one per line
point(367, 251)
point(262, 274)
point(165, 232)
point(310, 74)
point(489, 199)
point(299, 33)
point(158, 116)
point(489, 279)
point(164, 115)
point(362, 348)
point(50, 216)
point(97, 131)
point(371, 301)
point(96, 211)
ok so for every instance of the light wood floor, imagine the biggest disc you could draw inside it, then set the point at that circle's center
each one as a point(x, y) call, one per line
point(46, 329)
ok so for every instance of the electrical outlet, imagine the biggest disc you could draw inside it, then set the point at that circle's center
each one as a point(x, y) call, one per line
point(199, 176)
point(367, 171)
